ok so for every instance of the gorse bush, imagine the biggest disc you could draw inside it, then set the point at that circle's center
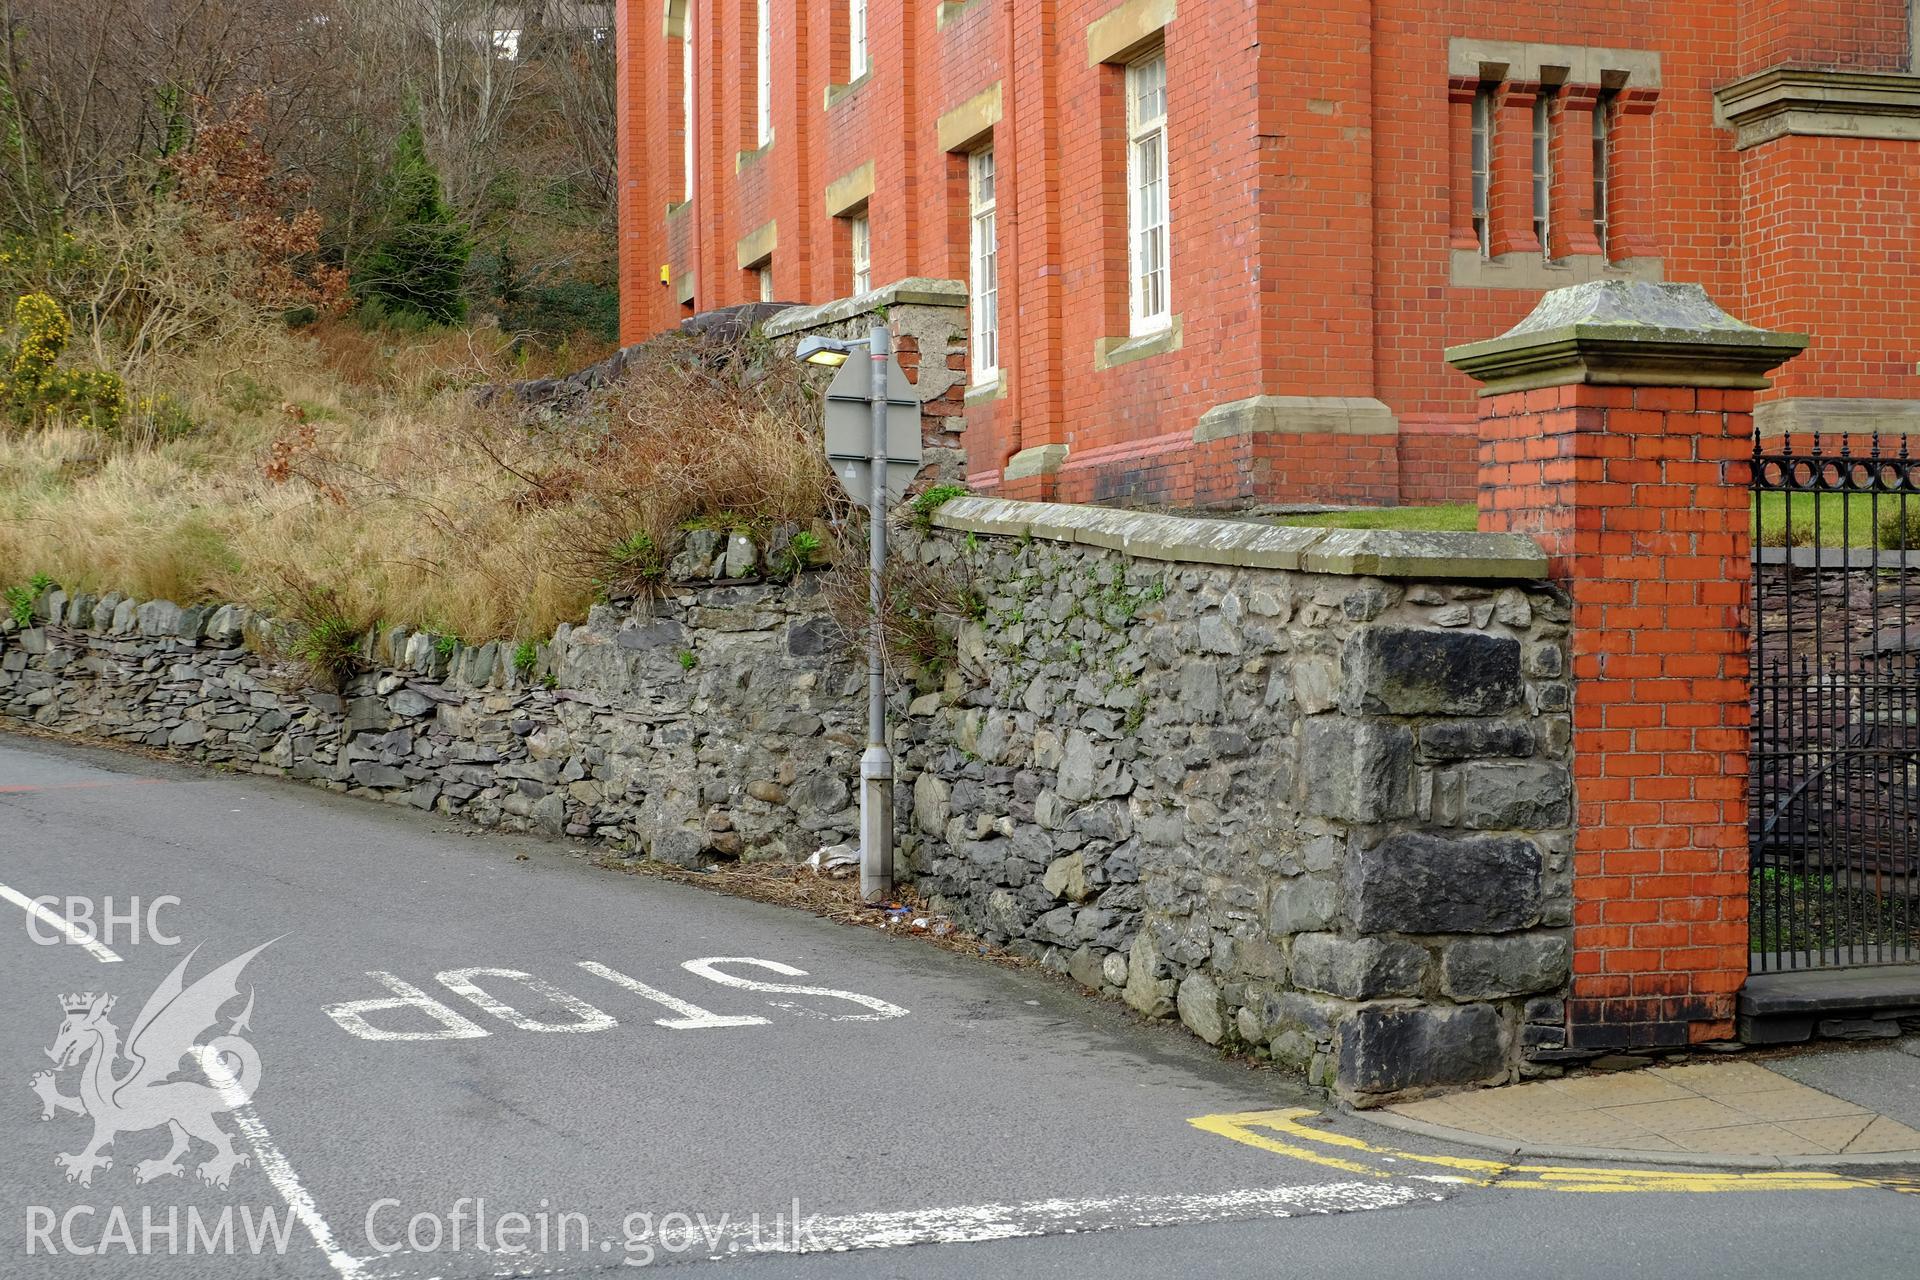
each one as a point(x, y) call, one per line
point(37, 390)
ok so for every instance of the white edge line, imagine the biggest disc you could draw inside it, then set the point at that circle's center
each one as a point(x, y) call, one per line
point(978, 1223)
point(273, 1163)
point(95, 948)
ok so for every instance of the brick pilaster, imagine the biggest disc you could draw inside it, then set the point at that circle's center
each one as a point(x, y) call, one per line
point(1617, 430)
point(1571, 156)
point(1462, 91)
point(1630, 177)
point(1510, 199)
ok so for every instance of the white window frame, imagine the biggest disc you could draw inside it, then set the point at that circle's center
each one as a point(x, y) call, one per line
point(1543, 171)
point(763, 63)
point(686, 97)
point(1482, 167)
point(1149, 220)
point(765, 272)
point(856, 39)
point(983, 253)
point(860, 234)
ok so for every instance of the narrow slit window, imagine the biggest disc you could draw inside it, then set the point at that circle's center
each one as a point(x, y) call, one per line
point(856, 39)
point(1602, 155)
point(1147, 190)
point(861, 228)
point(1543, 171)
point(766, 282)
point(686, 98)
point(763, 55)
point(986, 267)
point(1482, 167)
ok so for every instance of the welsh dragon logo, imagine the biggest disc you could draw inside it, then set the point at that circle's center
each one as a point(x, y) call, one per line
point(152, 1089)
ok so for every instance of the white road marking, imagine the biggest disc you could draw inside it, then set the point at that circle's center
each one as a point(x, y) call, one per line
point(352, 1014)
point(705, 969)
point(95, 948)
point(692, 1016)
point(273, 1162)
point(461, 982)
point(973, 1224)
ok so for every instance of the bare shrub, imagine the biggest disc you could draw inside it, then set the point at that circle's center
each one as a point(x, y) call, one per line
point(698, 430)
point(923, 606)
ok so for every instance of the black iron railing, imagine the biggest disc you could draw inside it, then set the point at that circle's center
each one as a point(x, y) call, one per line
point(1836, 704)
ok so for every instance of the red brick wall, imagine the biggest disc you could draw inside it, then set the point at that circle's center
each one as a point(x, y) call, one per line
point(1846, 271)
point(1640, 497)
point(1839, 33)
point(1316, 191)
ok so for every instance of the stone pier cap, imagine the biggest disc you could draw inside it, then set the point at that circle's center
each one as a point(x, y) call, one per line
point(1627, 333)
point(1381, 553)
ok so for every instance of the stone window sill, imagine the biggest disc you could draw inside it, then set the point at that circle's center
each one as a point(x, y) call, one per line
point(951, 11)
point(1109, 352)
point(1531, 271)
point(984, 392)
point(839, 93)
point(743, 160)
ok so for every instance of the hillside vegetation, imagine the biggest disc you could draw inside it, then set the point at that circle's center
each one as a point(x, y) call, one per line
point(255, 260)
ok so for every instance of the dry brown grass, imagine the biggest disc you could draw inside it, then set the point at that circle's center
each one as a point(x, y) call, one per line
point(358, 463)
point(697, 431)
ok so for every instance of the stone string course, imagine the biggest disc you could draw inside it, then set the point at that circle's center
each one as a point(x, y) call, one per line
point(1321, 816)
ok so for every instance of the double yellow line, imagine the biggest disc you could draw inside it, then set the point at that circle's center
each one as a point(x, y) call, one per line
point(1282, 1133)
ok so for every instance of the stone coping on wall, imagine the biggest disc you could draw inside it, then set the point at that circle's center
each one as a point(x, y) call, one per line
point(1380, 553)
point(915, 291)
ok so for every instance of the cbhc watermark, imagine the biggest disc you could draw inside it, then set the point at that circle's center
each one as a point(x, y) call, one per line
point(109, 921)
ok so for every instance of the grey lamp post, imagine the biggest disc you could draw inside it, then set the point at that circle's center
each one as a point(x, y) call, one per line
point(871, 468)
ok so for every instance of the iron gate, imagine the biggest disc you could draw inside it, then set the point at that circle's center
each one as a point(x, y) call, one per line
point(1836, 717)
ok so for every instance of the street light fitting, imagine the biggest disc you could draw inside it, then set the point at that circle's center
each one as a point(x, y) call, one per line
point(828, 353)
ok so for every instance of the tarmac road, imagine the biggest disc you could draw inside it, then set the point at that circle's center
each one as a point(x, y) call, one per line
point(469, 1064)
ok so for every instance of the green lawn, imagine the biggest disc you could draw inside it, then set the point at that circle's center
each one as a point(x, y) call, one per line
point(1854, 511)
point(1846, 519)
point(1455, 516)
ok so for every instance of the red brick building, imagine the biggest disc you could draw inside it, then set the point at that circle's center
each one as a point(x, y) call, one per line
point(1217, 247)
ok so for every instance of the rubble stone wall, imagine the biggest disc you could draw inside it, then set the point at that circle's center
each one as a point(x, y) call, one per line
point(1316, 812)
point(1309, 791)
point(722, 722)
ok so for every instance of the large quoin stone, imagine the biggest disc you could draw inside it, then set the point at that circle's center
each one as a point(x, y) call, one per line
point(1416, 883)
point(1477, 739)
point(1490, 968)
point(1357, 968)
point(1385, 1050)
point(1516, 797)
point(1411, 671)
point(1357, 770)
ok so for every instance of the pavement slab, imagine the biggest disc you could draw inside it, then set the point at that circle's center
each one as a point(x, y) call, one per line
point(1710, 1110)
